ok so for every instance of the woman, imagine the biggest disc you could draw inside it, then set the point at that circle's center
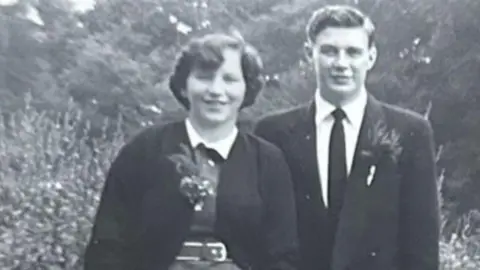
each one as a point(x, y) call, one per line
point(199, 193)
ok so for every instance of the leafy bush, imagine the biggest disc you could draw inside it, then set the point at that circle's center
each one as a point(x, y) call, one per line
point(459, 253)
point(460, 247)
point(51, 178)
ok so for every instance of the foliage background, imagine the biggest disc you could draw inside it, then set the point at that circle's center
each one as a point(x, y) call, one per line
point(75, 85)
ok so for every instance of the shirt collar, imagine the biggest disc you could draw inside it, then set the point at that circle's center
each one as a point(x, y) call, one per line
point(222, 146)
point(354, 110)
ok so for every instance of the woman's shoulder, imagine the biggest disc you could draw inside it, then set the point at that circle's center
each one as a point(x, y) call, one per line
point(151, 135)
point(265, 148)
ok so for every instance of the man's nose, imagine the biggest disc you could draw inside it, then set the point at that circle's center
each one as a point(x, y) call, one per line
point(341, 61)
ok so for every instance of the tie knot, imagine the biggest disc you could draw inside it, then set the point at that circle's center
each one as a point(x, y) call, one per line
point(339, 114)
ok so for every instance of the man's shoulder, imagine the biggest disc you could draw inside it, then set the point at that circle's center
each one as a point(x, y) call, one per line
point(407, 118)
point(291, 112)
point(282, 118)
point(265, 148)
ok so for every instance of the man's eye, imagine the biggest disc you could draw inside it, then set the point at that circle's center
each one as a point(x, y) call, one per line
point(328, 50)
point(354, 52)
point(229, 78)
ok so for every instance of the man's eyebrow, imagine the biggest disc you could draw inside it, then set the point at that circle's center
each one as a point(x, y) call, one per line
point(357, 48)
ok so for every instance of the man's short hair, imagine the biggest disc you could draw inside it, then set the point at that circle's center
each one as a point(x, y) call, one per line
point(207, 52)
point(338, 16)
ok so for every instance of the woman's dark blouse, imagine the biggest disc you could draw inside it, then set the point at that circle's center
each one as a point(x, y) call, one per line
point(142, 219)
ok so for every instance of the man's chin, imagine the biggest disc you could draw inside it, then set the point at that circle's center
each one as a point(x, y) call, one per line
point(342, 88)
point(339, 93)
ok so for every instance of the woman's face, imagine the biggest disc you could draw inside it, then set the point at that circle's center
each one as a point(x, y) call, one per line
point(216, 95)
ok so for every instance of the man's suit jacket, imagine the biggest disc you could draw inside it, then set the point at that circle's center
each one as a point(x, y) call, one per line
point(143, 219)
point(391, 224)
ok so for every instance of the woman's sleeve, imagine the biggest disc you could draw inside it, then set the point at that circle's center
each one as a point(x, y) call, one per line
point(280, 220)
point(108, 246)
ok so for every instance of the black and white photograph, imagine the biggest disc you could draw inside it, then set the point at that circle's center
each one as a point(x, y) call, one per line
point(239, 135)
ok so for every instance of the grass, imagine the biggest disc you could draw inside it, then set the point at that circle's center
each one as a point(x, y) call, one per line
point(50, 180)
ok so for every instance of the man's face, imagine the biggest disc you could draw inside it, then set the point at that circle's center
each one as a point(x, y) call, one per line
point(342, 57)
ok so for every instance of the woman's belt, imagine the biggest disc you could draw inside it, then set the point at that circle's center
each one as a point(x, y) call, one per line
point(207, 250)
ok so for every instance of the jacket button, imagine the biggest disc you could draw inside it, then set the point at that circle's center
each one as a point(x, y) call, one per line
point(373, 254)
point(307, 197)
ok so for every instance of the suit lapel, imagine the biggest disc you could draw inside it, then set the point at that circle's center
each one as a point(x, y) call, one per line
point(304, 143)
point(354, 216)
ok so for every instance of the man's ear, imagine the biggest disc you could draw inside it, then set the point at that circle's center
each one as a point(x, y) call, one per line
point(308, 51)
point(372, 56)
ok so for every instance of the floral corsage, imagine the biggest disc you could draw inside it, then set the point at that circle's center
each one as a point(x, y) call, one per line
point(384, 143)
point(194, 185)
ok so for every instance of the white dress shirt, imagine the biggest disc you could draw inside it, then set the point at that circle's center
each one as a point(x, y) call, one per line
point(354, 111)
point(222, 146)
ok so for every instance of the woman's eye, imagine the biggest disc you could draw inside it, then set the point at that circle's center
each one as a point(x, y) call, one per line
point(204, 75)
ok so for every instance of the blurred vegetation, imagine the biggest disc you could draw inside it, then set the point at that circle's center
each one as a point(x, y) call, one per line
point(75, 85)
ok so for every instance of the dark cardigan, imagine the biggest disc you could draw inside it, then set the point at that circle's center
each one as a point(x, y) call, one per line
point(142, 219)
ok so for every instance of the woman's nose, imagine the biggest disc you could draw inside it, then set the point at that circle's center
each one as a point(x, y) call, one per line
point(217, 87)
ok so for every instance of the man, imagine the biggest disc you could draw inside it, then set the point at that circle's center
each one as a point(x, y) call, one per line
point(364, 171)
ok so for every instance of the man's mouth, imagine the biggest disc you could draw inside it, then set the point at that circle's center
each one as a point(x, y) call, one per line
point(341, 78)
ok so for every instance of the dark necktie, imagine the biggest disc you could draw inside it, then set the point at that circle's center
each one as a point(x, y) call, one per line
point(337, 168)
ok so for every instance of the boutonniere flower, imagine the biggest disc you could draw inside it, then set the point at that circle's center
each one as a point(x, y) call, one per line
point(194, 185)
point(384, 143)
point(371, 174)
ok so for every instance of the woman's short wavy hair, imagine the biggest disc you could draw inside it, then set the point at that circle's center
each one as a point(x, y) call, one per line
point(207, 51)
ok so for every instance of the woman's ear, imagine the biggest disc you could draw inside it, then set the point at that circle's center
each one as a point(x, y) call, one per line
point(308, 51)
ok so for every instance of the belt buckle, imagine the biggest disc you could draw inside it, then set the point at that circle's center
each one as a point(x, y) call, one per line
point(218, 250)
point(211, 251)
point(190, 258)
